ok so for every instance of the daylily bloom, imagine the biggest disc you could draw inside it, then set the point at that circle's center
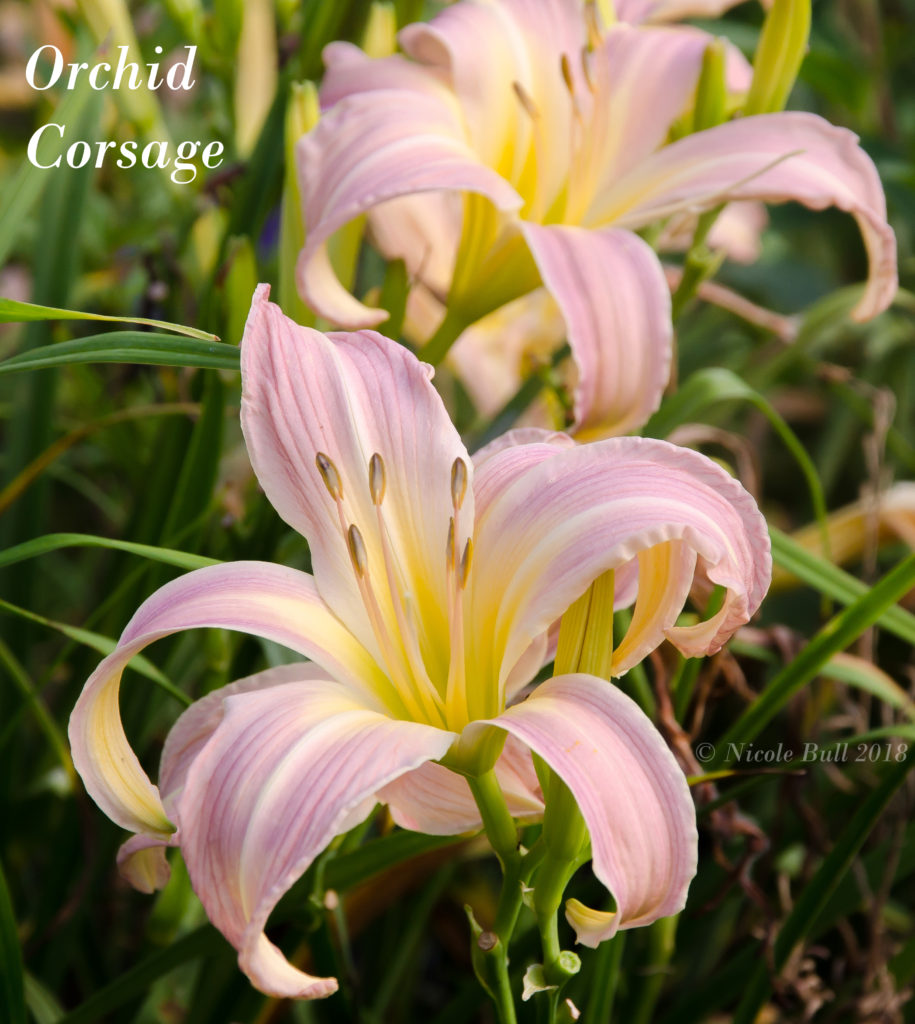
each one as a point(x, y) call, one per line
point(437, 579)
point(507, 149)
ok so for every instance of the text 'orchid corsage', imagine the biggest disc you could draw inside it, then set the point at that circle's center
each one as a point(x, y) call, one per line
point(437, 580)
point(519, 145)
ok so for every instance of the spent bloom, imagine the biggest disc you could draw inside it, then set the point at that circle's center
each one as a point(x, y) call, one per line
point(437, 581)
point(518, 144)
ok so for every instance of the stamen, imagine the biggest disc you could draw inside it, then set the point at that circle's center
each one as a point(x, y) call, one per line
point(357, 553)
point(526, 101)
point(592, 26)
point(466, 560)
point(586, 69)
point(458, 482)
point(566, 69)
point(377, 478)
point(426, 707)
point(329, 475)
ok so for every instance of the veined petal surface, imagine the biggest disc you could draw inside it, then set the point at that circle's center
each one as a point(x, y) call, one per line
point(631, 792)
point(595, 507)
point(266, 600)
point(141, 860)
point(772, 157)
point(369, 148)
point(374, 398)
point(614, 297)
point(286, 770)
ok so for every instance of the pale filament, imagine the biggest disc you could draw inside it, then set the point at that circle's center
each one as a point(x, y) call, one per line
point(580, 155)
point(458, 570)
point(535, 212)
point(397, 588)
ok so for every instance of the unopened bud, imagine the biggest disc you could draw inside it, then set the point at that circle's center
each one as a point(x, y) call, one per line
point(781, 49)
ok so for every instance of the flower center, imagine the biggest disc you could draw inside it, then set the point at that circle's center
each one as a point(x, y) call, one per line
point(381, 581)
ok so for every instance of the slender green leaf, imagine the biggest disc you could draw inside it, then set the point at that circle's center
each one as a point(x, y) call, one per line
point(834, 582)
point(41, 1003)
point(32, 699)
point(26, 187)
point(127, 347)
point(713, 385)
point(842, 630)
point(56, 541)
point(103, 644)
point(377, 855)
point(871, 679)
point(191, 493)
point(136, 982)
point(815, 896)
point(14, 312)
point(12, 997)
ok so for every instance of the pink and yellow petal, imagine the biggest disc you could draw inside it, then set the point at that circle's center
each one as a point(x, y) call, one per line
point(632, 794)
point(565, 521)
point(370, 148)
point(265, 600)
point(771, 157)
point(614, 298)
point(374, 398)
point(287, 769)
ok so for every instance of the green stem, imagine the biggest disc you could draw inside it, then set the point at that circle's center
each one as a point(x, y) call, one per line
point(491, 956)
point(436, 348)
point(606, 975)
point(697, 266)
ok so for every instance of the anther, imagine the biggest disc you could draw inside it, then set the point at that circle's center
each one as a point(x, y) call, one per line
point(566, 70)
point(458, 482)
point(377, 479)
point(357, 553)
point(466, 559)
point(526, 101)
point(329, 475)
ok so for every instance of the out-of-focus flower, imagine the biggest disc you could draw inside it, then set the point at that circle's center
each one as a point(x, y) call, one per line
point(510, 149)
point(437, 579)
point(850, 531)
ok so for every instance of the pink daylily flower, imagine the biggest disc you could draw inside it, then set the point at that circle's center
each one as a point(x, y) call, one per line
point(505, 150)
point(437, 580)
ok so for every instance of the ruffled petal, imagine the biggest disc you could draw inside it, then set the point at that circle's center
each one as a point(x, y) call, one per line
point(372, 147)
point(438, 802)
point(350, 397)
point(265, 600)
point(558, 526)
point(142, 862)
point(631, 792)
point(286, 770)
point(613, 295)
point(772, 157)
point(510, 455)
